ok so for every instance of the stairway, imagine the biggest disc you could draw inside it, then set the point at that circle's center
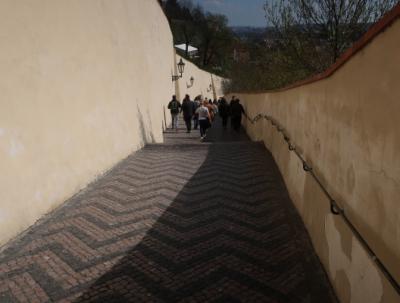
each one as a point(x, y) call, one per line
point(184, 221)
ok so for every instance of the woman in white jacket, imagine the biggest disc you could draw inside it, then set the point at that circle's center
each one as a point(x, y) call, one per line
point(204, 119)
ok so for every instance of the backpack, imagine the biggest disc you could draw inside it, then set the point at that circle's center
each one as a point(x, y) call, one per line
point(174, 107)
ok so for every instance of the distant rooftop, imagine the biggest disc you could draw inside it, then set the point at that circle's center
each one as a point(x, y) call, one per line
point(183, 47)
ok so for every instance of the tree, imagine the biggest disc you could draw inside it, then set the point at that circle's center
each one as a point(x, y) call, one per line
point(304, 38)
point(216, 38)
point(172, 10)
point(317, 32)
point(209, 32)
point(183, 31)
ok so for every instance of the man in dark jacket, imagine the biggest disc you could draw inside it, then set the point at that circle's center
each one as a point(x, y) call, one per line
point(223, 110)
point(232, 100)
point(236, 114)
point(188, 109)
point(174, 106)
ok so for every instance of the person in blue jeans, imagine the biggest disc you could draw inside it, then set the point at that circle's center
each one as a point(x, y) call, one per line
point(204, 119)
point(174, 106)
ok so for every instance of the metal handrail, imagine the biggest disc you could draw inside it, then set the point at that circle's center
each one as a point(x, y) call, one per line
point(336, 209)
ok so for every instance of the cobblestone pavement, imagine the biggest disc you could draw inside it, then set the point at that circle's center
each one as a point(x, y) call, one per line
point(183, 221)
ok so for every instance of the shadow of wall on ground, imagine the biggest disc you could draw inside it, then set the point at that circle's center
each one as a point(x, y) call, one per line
point(230, 233)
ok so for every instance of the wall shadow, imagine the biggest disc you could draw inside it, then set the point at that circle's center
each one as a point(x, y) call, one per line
point(229, 233)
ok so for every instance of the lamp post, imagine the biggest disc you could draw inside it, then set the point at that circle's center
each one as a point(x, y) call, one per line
point(181, 68)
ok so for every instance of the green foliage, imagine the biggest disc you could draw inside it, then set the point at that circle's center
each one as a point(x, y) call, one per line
point(305, 38)
point(208, 32)
point(270, 70)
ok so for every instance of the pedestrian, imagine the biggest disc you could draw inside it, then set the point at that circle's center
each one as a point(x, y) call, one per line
point(196, 116)
point(210, 107)
point(188, 110)
point(204, 119)
point(215, 106)
point(232, 100)
point(236, 111)
point(223, 110)
point(174, 106)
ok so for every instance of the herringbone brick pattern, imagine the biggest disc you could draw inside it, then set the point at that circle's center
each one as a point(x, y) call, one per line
point(179, 222)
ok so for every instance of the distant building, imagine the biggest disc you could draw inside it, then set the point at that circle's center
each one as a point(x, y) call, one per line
point(192, 51)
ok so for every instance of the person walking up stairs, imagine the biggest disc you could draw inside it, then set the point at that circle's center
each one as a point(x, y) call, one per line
point(174, 106)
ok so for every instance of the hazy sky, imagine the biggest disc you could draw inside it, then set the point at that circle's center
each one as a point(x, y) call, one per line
point(239, 12)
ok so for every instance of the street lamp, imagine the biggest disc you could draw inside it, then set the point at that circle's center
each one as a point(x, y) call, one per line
point(181, 68)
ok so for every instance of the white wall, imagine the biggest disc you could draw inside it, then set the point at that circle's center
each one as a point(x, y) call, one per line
point(201, 84)
point(83, 84)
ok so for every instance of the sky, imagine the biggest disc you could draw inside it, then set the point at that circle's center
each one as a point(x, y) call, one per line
point(239, 12)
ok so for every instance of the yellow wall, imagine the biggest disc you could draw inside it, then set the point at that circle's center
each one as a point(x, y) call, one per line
point(201, 84)
point(83, 84)
point(347, 126)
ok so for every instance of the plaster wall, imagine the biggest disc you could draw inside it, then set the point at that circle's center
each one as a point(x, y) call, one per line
point(201, 84)
point(347, 126)
point(83, 84)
